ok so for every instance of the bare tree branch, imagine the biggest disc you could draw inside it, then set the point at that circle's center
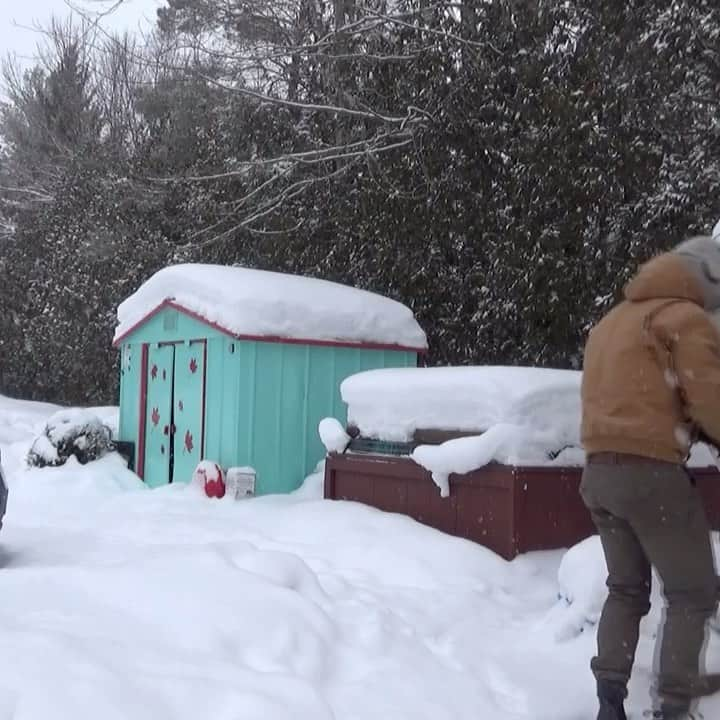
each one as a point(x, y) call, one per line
point(37, 195)
point(7, 228)
point(308, 157)
point(316, 107)
point(275, 203)
point(437, 33)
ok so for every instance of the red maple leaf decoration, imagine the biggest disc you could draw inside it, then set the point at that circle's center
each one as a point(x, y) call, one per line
point(188, 441)
point(155, 416)
point(153, 372)
point(193, 366)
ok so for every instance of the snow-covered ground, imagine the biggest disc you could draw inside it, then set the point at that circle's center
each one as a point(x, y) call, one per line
point(119, 602)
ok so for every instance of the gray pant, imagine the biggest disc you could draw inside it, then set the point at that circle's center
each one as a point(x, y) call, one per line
point(651, 514)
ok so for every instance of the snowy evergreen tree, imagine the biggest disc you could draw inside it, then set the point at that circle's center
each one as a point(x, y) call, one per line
point(502, 169)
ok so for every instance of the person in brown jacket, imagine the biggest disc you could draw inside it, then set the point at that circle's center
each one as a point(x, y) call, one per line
point(650, 389)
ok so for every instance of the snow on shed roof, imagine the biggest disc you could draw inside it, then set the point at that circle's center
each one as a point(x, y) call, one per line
point(261, 304)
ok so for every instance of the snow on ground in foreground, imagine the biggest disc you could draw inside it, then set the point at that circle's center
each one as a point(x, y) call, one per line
point(119, 602)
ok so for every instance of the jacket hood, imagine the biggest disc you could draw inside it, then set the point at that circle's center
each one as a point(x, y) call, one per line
point(665, 276)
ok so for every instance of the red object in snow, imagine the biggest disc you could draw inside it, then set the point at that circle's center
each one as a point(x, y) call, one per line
point(215, 484)
point(215, 488)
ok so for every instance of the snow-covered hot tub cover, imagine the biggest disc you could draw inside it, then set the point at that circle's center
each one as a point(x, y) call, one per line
point(392, 404)
point(261, 304)
point(522, 415)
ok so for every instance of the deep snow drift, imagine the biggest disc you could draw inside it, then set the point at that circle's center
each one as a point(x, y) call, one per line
point(123, 603)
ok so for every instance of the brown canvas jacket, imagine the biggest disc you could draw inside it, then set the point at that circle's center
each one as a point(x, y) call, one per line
point(651, 370)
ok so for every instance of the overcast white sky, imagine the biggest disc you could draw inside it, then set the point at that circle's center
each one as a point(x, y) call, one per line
point(17, 17)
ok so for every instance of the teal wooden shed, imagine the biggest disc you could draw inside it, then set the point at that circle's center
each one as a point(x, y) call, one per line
point(238, 366)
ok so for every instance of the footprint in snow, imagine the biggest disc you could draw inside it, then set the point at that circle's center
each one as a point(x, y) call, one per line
point(508, 696)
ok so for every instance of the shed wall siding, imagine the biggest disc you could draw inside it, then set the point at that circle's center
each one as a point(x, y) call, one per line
point(170, 325)
point(264, 400)
point(130, 374)
point(273, 396)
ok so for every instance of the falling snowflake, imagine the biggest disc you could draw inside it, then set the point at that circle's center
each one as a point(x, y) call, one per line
point(193, 366)
point(155, 416)
point(188, 441)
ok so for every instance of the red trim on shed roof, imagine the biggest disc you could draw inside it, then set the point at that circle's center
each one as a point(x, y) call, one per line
point(263, 338)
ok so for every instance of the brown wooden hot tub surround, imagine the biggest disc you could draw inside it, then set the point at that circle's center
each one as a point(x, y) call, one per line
point(510, 510)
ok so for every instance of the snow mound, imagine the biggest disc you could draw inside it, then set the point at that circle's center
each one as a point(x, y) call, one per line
point(258, 303)
point(582, 576)
point(313, 487)
point(504, 443)
point(36, 489)
point(333, 435)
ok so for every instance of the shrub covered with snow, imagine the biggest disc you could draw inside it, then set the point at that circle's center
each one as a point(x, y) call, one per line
point(71, 433)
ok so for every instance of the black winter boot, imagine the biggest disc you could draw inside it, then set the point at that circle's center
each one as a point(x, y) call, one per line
point(612, 697)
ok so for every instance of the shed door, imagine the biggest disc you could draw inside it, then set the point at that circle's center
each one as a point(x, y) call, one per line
point(158, 418)
point(189, 403)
